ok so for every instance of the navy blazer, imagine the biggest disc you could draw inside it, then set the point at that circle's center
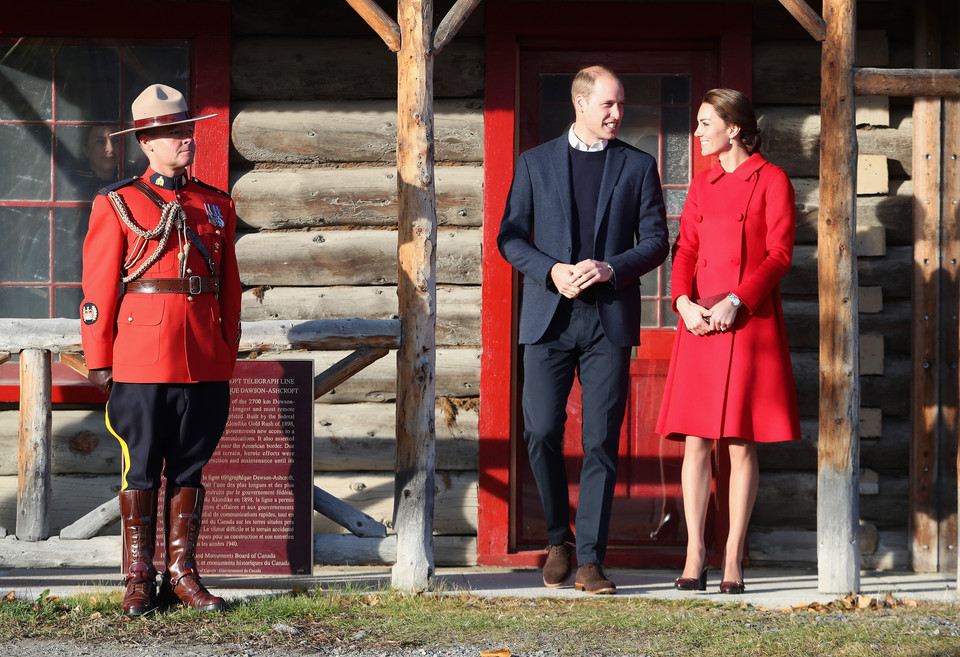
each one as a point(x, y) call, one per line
point(630, 233)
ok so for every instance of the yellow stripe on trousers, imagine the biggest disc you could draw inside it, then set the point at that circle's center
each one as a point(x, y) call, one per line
point(123, 448)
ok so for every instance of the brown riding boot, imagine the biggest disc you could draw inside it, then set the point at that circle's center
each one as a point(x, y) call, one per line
point(138, 510)
point(181, 526)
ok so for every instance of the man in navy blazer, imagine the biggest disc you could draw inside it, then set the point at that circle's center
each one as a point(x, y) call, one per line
point(584, 221)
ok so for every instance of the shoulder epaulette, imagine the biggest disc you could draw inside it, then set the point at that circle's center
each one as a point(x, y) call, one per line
point(203, 184)
point(112, 187)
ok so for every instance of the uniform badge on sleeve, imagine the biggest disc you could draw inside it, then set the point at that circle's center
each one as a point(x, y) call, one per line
point(89, 313)
point(214, 214)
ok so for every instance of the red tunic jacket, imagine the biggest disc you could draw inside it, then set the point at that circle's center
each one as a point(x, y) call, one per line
point(160, 337)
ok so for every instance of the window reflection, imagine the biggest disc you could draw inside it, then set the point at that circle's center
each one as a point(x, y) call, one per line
point(59, 102)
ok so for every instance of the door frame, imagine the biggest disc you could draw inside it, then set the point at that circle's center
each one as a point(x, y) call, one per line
point(511, 27)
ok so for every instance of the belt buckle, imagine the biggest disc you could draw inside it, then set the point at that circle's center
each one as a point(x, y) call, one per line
point(196, 284)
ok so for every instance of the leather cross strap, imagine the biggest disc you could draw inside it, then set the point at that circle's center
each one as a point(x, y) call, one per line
point(147, 191)
point(189, 285)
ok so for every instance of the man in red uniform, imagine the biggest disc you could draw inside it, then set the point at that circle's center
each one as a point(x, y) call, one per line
point(160, 321)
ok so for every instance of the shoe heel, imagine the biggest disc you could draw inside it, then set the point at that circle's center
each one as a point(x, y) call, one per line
point(691, 584)
point(702, 582)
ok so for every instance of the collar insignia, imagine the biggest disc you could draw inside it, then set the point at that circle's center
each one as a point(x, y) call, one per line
point(169, 183)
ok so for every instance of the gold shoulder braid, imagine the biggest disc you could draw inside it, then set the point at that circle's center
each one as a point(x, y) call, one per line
point(171, 214)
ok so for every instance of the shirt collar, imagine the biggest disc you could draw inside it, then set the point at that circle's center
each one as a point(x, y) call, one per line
point(578, 145)
point(166, 182)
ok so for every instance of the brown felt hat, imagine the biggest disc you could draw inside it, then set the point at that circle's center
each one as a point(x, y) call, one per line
point(160, 105)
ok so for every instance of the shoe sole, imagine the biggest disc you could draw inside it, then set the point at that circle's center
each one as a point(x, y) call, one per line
point(555, 585)
point(603, 591)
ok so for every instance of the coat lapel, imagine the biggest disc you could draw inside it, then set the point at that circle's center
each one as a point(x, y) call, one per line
point(561, 167)
point(611, 174)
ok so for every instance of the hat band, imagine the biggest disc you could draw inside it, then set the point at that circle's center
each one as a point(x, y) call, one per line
point(155, 121)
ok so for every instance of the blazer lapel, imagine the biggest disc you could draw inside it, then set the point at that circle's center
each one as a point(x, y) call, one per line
point(561, 168)
point(611, 174)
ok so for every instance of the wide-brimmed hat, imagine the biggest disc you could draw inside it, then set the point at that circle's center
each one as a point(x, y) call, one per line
point(160, 105)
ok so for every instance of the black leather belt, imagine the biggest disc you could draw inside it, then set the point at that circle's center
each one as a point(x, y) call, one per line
point(189, 285)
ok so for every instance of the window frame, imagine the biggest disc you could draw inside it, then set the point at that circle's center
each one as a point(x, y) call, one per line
point(205, 26)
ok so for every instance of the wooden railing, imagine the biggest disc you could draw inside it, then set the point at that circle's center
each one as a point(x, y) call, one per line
point(36, 340)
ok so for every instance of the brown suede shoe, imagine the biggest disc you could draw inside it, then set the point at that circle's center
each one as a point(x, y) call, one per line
point(558, 567)
point(592, 579)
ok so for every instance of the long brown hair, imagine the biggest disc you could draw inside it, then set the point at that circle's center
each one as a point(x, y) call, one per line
point(736, 109)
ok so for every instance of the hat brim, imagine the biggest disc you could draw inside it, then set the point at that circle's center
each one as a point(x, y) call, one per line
point(162, 125)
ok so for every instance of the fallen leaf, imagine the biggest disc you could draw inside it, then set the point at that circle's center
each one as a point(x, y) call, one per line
point(502, 652)
point(864, 602)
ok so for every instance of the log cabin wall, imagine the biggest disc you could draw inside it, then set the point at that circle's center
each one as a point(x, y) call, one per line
point(313, 173)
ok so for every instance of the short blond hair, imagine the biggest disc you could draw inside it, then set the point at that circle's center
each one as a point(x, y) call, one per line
point(586, 79)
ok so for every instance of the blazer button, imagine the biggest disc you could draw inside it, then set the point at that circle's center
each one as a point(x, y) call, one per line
point(702, 263)
point(130, 319)
point(735, 262)
point(740, 217)
point(189, 298)
point(697, 218)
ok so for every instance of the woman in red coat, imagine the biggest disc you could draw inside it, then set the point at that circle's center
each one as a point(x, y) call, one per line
point(730, 380)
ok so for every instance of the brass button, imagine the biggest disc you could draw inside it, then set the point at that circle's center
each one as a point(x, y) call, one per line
point(189, 298)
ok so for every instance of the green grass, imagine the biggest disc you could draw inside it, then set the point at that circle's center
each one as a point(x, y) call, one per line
point(594, 627)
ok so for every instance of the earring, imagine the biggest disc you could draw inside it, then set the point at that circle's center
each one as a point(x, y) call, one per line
point(731, 141)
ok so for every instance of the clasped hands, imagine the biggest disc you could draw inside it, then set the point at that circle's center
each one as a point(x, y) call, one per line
point(571, 280)
point(703, 321)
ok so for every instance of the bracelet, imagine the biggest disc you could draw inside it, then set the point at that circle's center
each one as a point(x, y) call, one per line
point(610, 267)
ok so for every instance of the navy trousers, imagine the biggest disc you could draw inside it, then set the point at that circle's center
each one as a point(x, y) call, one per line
point(168, 427)
point(575, 343)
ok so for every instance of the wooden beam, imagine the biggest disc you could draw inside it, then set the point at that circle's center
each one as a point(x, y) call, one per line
point(356, 522)
point(381, 22)
point(925, 353)
point(452, 22)
point(35, 446)
point(416, 289)
point(838, 490)
point(807, 17)
point(94, 522)
point(943, 82)
point(4, 357)
point(343, 369)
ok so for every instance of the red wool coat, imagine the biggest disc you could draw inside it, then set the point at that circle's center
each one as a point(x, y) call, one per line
point(160, 337)
point(736, 235)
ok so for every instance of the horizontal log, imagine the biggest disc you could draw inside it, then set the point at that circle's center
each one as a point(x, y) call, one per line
point(362, 437)
point(305, 132)
point(288, 335)
point(58, 335)
point(80, 441)
point(349, 257)
point(99, 552)
point(458, 307)
point(349, 550)
point(72, 497)
point(803, 328)
point(313, 69)
point(786, 72)
point(791, 140)
point(457, 374)
point(455, 510)
point(270, 199)
point(892, 213)
point(887, 453)
point(893, 272)
point(346, 437)
point(886, 392)
point(797, 547)
point(910, 82)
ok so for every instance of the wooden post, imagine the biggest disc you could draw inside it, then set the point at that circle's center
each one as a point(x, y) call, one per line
point(35, 446)
point(925, 349)
point(838, 489)
point(416, 289)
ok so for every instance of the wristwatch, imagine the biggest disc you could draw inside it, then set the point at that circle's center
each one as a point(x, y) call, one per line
point(734, 300)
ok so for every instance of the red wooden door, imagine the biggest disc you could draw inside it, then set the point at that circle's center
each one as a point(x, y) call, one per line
point(663, 82)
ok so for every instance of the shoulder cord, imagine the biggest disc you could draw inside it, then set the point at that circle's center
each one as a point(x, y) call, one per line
point(171, 214)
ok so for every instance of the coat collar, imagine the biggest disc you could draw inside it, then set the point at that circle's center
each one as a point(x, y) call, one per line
point(749, 167)
point(166, 182)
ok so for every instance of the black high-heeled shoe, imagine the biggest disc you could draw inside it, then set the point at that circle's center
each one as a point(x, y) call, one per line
point(692, 584)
